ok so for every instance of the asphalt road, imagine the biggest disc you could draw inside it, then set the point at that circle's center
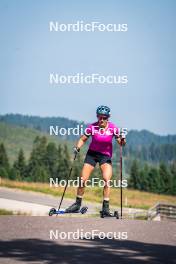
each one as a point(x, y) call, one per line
point(34, 203)
point(30, 239)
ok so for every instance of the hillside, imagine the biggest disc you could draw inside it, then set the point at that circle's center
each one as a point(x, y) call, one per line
point(15, 137)
point(41, 124)
point(18, 131)
point(135, 138)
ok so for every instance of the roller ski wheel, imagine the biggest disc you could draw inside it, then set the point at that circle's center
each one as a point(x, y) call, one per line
point(102, 214)
point(52, 211)
point(84, 210)
point(116, 214)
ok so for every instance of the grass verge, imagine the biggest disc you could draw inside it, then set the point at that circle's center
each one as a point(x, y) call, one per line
point(9, 212)
point(131, 198)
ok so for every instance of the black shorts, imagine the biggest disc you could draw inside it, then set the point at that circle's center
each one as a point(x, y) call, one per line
point(92, 157)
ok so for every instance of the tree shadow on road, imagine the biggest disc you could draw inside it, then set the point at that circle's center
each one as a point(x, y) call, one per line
point(85, 251)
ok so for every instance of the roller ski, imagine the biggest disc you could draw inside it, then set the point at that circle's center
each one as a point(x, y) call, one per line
point(54, 211)
point(74, 208)
point(105, 212)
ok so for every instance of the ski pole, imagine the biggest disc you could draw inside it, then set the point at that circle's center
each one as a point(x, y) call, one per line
point(121, 181)
point(69, 175)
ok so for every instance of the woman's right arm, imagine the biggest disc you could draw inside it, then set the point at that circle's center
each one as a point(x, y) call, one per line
point(81, 142)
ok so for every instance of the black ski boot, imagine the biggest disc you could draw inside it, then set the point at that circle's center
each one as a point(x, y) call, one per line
point(75, 207)
point(105, 210)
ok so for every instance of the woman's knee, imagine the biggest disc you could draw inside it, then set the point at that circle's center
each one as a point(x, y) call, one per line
point(85, 173)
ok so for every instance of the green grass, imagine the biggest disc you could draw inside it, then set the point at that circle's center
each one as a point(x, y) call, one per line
point(9, 212)
point(5, 212)
point(132, 198)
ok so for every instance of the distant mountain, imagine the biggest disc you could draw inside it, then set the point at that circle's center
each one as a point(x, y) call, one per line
point(146, 138)
point(42, 124)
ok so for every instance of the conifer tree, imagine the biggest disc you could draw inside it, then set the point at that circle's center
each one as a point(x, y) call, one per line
point(4, 162)
point(20, 166)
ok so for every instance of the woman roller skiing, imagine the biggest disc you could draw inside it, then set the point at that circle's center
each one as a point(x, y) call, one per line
point(100, 150)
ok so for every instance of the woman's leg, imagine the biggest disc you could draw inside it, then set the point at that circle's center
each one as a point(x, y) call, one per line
point(85, 174)
point(106, 170)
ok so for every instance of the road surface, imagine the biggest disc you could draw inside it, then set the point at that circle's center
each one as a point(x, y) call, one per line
point(29, 239)
point(38, 204)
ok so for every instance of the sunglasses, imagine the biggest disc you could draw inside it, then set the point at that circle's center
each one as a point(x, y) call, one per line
point(102, 117)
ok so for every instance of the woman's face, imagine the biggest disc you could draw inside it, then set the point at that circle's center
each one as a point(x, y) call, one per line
point(102, 120)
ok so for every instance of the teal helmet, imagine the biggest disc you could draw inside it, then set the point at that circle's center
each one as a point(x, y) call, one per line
point(103, 110)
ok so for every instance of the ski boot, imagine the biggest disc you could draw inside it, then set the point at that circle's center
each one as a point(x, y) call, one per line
point(106, 212)
point(75, 207)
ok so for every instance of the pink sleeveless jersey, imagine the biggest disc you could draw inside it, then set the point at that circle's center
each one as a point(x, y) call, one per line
point(102, 137)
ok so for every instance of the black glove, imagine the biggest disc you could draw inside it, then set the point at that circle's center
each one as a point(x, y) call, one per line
point(76, 150)
point(123, 141)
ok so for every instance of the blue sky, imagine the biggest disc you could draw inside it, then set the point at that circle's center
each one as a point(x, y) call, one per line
point(145, 53)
